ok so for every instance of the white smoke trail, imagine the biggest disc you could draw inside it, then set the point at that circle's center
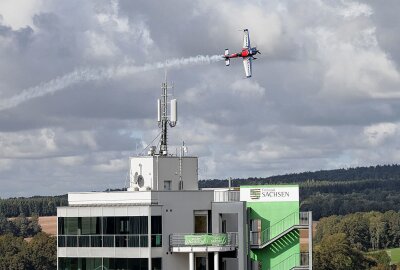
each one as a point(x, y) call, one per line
point(92, 74)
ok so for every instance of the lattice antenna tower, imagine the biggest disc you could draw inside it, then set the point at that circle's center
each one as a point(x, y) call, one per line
point(163, 119)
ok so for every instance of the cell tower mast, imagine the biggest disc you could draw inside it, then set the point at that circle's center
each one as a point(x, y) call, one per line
point(163, 120)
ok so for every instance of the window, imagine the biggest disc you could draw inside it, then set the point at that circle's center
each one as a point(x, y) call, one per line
point(108, 225)
point(223, 226)
point(138, 225)
point(103, 263)
point(156, 231)
point(71, 226)
point(156, 263)
point(201, 263)
point(61, 226)
point(122, 224)
point(156, 225)
point(106, 231)
point(200, 221)
point(167, 184)
point(90, 225)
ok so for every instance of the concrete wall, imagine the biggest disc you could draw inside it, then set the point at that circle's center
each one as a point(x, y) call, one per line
point(168, 169)
point(234, 209)
point(178, 217)
point(156, 169)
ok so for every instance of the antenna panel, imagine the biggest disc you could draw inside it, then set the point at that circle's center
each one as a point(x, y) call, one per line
point(174, 111)
point(158, 110)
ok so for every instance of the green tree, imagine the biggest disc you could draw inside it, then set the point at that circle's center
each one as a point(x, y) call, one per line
point(33, 226)
point(356, 228)
point(4, 224)
point(392, 219)
point(22, 224)
point(335, 253)
point(42, 252)
point(13, 253)
point(377, 229)
point(382, 259)
point(327, 226)
point(26, 227)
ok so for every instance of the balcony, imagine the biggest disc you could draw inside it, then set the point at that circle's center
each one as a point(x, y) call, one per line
point(200, 242)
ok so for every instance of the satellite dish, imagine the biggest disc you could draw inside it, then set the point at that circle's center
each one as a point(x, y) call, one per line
point(140, 181)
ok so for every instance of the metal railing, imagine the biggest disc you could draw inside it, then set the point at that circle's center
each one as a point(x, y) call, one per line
point(118, 240)
point(300, 260)
point(294, 219)
point(204, 240)
point(226, 196)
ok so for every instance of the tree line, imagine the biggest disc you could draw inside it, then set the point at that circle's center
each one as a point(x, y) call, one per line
point(39, 205)
point(366, 231)
point(336, 192)
point(346, 242)
point(335, 252)
point(325, 192)
point(383, 172)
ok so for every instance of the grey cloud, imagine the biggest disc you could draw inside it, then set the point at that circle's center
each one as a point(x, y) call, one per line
point(323, 95)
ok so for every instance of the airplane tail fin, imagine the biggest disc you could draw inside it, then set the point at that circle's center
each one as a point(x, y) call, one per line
point(227, 60)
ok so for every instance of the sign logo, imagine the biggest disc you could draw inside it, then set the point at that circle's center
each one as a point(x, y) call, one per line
point(269, 194)
point(255, 193)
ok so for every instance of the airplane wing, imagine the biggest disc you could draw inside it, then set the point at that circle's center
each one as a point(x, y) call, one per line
point(246, 39)
point(247, 66)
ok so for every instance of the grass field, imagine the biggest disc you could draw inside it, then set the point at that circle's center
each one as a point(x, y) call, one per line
point(394, 254)
point(48, 224)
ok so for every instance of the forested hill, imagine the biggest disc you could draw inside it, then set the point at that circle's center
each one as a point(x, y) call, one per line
point(326, 193)
point(380, 172)
point(336, 192)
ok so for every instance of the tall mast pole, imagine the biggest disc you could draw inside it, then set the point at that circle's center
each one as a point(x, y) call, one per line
point(164, 118)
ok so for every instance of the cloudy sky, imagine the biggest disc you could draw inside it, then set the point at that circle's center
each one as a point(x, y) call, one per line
point(324, 94)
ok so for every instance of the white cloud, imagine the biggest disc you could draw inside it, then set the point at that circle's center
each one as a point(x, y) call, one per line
point(352, 9)
point(29, 144)
point(19, 13)
point(247, 88)
point(71, 160)
point(113, 165)
point(377, 134)
point(100, 45)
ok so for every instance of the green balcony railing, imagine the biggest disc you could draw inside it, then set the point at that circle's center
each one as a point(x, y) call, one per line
point(290, 221)
point(203, 240)
point(297, 260)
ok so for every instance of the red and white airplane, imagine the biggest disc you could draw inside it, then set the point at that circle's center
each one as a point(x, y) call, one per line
point(247, 53)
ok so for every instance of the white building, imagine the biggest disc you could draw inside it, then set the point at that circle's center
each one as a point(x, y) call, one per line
point(164, 222)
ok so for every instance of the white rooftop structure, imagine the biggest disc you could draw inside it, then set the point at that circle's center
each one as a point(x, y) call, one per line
point(163, 222)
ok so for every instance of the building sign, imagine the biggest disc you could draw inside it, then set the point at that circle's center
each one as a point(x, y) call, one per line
point(206, 240)
point(269, 194)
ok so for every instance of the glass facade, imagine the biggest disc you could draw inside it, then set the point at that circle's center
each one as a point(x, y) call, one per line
point(108, 263)
point(156, 231)
point(109, 231)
